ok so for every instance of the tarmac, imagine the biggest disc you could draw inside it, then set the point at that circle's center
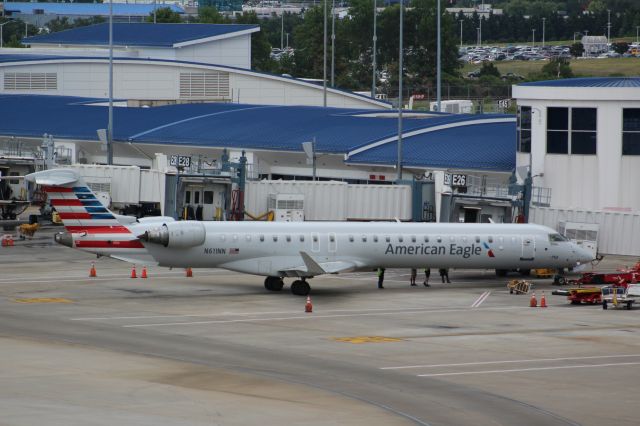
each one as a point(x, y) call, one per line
point(218, 349)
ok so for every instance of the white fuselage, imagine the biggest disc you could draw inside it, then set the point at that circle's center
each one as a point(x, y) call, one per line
point(274, 249)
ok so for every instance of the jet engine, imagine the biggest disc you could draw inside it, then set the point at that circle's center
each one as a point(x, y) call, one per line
point(177, 234)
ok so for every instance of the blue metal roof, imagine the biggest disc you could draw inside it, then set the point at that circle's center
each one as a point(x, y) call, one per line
point(588, 82)
point(463, 141)
point(141, 34)
point(88, 9)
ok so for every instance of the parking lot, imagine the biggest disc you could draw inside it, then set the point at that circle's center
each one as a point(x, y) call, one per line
point(219, 349)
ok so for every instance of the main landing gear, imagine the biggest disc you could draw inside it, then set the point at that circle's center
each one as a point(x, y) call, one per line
point(273, 283)
point(298, 287)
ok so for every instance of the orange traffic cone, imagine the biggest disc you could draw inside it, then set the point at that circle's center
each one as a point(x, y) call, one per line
point(133, 272)
point(144, 272)
point(533, 302)
point(543, 301)
point(189, 273)
point(308, 307)
point(92, 271)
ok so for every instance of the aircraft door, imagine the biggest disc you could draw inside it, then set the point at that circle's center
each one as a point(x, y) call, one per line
point(332, 242)
point(528, 247)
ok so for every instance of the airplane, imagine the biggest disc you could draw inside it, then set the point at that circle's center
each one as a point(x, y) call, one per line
point(304, 250)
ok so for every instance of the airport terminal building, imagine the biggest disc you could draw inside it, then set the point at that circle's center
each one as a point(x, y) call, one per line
point(581, 138)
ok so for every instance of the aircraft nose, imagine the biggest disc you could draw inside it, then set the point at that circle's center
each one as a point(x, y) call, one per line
point(583, 255)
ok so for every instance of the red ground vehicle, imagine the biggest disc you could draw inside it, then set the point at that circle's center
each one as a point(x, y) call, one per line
point(621, 277)
point(591, 295)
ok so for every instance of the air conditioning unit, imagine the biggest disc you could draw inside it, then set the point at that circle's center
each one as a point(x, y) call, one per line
point(286, 207)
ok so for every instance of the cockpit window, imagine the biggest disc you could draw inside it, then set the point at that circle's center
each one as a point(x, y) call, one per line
point(556, 238)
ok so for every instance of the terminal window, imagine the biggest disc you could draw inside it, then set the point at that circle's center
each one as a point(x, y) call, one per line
point(631, 131)
point(571, 130)
point(524, 129)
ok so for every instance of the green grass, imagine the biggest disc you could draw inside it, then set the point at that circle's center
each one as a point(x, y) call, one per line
point(626, 67)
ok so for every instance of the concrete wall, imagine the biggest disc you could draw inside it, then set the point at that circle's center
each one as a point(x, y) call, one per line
point(232, 52)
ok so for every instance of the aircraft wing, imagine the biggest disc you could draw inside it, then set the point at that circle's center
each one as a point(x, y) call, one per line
point(311, 267)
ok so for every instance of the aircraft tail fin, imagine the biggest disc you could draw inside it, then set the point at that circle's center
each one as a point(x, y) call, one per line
point(78, 207)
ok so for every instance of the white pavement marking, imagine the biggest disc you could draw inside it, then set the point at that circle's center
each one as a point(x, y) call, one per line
point(403, 312)
point(462, 373)
point(575, 358)
point(480, 299)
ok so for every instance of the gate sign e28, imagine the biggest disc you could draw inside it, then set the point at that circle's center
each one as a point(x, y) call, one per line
point(182, 161)
point(454, 179)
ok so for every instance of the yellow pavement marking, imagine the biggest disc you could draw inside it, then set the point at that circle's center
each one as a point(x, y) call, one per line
point(43, 300)
point(367, 339)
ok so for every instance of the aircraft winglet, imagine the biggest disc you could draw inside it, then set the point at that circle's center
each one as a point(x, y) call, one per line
point(53, 177)
point(312, 266)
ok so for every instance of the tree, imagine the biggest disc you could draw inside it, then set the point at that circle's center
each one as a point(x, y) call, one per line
point(210, 15)
point(165, 15)
point(489, 69)
point(557, 68)
point(621, 47)
point(576, 50)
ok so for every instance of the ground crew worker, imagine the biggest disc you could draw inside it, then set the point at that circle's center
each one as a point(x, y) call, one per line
point(414, 273)
point(427, 274)
point(380, 277)
point(444, 273)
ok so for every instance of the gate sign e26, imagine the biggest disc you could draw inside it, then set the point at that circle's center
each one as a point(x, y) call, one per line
point(182, 161)
point(454, 179)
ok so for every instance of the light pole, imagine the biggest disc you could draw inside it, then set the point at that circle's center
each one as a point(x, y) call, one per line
point(478, 36)
point(400, 57)
point(281, 29)
point(333, 41)
point(373, 53)
point(543, 28)
point(574, 36)
point(608, 26)
point(2, 33)
point(438, 61)
point(110, 123)
point(287, 40)
point(461, 22)
point(637, 29)
point(324, 71)
point(533, 39)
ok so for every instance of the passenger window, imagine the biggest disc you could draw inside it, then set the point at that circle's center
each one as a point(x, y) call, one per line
point(315, 238)
point(275, 238)
point(387, 239)
point(439, 239)
point(400, 238)
point(288, 238)
point(364, 238)
point(350, 238)
point(477, 239)
point(332, 238)
point(490, 239)
point(426, 239)
point(261, 237)
point(302, 238)
point(375, 238)
point(413, 238)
